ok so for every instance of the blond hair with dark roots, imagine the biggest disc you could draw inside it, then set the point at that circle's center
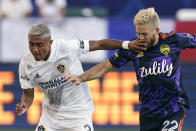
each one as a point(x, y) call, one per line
point(147, 17)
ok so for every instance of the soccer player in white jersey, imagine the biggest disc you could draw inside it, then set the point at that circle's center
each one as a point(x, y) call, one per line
point(66, 107)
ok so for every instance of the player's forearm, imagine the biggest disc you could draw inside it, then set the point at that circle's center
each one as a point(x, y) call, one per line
point(111, 44)
point(105, 44)
point(27, 97)
point(95, 72)
point(27, 100)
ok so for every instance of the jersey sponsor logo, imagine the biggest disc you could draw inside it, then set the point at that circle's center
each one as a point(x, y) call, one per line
point(157, 68)
point(165, 49)
point(61, 68)
point(41, 128)
point(52, 83)
point(37, 75)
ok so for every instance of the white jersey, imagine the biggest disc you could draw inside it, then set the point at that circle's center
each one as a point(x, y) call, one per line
point(63, 100)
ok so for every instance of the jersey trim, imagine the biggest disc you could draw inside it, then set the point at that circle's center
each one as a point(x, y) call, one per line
point(165, 35)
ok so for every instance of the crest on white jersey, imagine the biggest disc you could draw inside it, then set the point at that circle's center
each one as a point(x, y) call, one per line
point(140, 55)
point(61, 68)
point(165, 49)
point(115, 55)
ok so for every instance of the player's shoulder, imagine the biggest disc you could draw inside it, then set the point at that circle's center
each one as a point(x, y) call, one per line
point(64, 47)
point(184, 35)
point(178, 37)
point(66, 43)
point(28, 57)
point(26, 61)
point(125, 53)
point(164, 35)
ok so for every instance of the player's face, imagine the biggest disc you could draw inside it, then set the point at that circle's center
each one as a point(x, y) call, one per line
point(147, 35)
point(39, 47)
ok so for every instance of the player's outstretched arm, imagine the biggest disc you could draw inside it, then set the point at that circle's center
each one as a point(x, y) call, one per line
point(26, 101)
point(107, 44)
point(185, 40)
point(93, 73)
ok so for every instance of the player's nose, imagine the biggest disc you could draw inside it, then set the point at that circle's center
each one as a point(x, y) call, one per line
point(141, 38)
point(35, 49)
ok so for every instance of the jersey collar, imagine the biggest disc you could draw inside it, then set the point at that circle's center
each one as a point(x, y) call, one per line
point(52, 53)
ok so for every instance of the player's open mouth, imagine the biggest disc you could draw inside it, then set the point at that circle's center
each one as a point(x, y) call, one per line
point(37, 54)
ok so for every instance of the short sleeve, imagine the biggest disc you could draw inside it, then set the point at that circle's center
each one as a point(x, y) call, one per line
point(25, 81)
point(186, 40)
point(121, 57)
point(79, 46)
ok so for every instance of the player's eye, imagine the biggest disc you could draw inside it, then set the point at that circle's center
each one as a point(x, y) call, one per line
point(39, 44)
point(144, 34)
point(31, 44)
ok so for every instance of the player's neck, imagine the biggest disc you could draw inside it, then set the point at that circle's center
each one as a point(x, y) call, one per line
point(156, 40)
point(48, 55)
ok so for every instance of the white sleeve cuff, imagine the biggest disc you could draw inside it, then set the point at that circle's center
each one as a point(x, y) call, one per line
point(125, 44)
point(86, 46)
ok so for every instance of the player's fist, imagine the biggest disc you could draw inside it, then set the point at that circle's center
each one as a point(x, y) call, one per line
point(70, 78)
point(137, 46)
point(21, 108)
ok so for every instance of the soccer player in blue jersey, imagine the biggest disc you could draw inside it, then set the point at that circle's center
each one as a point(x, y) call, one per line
point(161, 93)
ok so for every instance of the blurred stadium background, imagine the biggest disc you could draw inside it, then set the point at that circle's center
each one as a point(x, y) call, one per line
point(116, 94)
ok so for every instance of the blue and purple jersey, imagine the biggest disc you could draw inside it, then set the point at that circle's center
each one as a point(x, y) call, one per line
point(161, 92)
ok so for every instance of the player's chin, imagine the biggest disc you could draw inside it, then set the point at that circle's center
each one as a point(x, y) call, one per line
point(37, 57)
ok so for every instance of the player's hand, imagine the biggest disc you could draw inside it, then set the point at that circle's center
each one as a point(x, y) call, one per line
point(21, 108)
point(137, 46)
point(70, 78)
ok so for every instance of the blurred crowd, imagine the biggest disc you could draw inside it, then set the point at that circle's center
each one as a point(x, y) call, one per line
point(25, 8)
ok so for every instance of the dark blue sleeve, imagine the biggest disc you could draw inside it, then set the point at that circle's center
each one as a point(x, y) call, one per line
point(186, 40)
point(121, 57)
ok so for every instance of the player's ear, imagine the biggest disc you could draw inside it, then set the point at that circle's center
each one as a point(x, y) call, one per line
point(51, 41)
point(157, 30)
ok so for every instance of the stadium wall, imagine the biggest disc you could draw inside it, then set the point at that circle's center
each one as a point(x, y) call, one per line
point(13, 35)
point(115, 97)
